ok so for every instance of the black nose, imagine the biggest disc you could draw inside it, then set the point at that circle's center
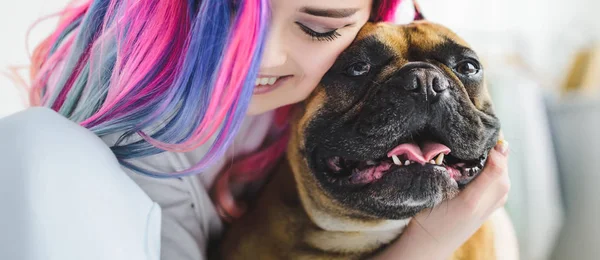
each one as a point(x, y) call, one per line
point(426, 81)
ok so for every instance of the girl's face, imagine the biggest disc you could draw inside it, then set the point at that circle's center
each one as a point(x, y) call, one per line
point(304, 39)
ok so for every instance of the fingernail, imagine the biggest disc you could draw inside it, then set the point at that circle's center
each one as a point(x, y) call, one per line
point(502, 146)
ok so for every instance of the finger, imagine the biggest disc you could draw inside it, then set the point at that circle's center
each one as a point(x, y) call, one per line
point(494, 169)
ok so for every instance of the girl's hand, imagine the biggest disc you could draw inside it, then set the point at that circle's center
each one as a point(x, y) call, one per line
point(436, 234)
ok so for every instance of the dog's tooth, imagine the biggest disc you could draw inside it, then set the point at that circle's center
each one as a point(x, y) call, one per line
point(440, 159)
point(469, 172)
point(371, 163)
point(407, 162)
point(334, 164)
point(432, 162)
point(396, 160)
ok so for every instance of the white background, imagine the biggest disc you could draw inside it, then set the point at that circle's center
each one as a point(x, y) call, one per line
point(15, 19)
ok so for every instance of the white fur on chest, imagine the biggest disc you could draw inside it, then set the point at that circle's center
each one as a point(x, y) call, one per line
point(350, 242)
point(347, 235)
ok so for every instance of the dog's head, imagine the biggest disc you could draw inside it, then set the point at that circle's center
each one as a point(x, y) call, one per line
point(402, 121)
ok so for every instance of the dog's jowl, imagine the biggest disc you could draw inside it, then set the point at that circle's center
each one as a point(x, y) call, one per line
point(401, 122)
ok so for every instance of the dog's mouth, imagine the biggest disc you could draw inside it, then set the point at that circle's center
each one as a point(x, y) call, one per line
point(424, 153)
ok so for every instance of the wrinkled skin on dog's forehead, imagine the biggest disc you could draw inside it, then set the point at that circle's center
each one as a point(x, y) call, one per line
point(420, 40)
point(364, 117)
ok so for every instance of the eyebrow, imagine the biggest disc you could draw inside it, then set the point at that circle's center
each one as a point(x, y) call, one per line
point(331, 13)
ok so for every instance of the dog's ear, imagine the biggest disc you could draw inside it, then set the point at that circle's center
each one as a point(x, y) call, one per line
point(418, 14)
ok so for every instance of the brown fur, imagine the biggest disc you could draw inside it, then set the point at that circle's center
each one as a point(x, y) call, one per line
point(294, 218)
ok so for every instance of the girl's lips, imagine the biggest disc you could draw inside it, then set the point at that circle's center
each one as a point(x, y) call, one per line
point(263, 89)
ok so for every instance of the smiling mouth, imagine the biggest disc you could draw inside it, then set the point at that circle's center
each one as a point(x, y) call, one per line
point(265, 84)
point(421, 155)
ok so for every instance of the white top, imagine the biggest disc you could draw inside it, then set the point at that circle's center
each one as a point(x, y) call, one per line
point(189, 218)
point(65, 197)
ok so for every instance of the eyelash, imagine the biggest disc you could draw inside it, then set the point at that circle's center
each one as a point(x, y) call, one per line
point(327, 36)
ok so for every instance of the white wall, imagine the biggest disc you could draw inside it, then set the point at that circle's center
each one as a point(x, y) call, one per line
point(15, 19)
point(545, 32)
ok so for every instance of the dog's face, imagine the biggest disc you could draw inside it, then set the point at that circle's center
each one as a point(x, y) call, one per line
point(402, 121)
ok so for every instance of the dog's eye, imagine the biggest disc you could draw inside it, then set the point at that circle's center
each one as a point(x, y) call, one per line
point(468, 68)
point(358, 69)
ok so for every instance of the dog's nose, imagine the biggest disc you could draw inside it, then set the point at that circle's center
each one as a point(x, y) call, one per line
point(426, 81)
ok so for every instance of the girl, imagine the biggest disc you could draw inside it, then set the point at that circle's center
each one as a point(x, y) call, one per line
point(193, 95)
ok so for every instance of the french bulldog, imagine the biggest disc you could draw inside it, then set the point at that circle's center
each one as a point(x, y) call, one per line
point(401, 122)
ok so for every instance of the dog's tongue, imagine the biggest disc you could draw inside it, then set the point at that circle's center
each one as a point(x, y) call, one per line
point(420, 154)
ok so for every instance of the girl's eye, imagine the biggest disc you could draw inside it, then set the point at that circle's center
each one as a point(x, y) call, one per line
point(326, 36)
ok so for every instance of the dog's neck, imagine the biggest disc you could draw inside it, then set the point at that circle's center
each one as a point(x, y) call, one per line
point(345, 234)
point(354, 234)
point(330, 222)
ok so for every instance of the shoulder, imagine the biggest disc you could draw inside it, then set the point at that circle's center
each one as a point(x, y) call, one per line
point(41, 132)
point(72, 181)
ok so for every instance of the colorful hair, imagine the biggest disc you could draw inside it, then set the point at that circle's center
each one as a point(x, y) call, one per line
point(175, 73)
point(384, 10)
